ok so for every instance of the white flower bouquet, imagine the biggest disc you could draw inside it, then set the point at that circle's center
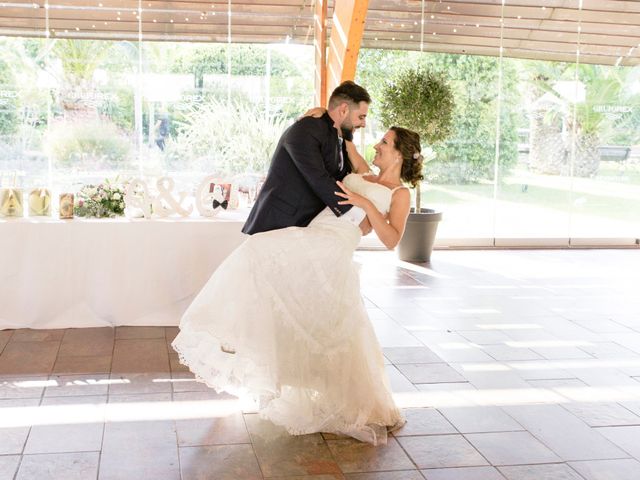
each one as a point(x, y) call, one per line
point(103, 200)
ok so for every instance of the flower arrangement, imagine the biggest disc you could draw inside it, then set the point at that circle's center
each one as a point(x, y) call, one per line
point(102, 200)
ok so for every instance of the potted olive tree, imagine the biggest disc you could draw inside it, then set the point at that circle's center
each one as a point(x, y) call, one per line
point(421, 100)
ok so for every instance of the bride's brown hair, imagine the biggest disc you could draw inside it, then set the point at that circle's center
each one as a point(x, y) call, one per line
point(407, 142)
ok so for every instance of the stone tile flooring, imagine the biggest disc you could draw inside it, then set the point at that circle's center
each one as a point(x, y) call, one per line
point(510, 365)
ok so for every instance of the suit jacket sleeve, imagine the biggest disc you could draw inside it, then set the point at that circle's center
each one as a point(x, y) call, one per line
point(304, 146)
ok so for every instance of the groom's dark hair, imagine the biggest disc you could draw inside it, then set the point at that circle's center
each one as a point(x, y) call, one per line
point(349, 92)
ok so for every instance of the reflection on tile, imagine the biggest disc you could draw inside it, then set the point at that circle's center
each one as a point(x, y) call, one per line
point(430, 373)
point(602, 414)
point(281, 454)
point(186, 382)
point(511, 448)
point(29, 335)
point(57, 466)
point(135, 383)
point(76, 385)
point(61, 438)
point(139, 332)
point(9, 465)
point(22, 386)
point(624, 469)
point(76, 364)
point(507, 353)
point(568, 436)
point(355, 456)
point(556, 471)
point(398, 355)
point(5, 336)
point(220, 462)
point(140, 356)
point(12, 440)
point(170, 333)
point(463, 473)
point(398, 475)
point(627, 438)
point(439, 451)
point(141, 450)
point(28, 357)
point(424, 421)
point(399, 383)
point(212, 431)
point(480, 419)
point(85, 342)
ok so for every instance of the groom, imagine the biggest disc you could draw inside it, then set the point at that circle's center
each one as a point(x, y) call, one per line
point(310, 157)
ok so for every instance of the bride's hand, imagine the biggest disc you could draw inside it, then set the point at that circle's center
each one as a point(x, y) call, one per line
point(365, 226)
point(315, 112)
point(351, 198)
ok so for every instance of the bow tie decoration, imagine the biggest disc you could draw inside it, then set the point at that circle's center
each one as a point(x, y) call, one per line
point(224, 204)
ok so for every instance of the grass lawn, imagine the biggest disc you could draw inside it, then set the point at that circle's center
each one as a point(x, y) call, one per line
point(613, 194)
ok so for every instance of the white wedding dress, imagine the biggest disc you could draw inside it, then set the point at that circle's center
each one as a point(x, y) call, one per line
point(282, 320)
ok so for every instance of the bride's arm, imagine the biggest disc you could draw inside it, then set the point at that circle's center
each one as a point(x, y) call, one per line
point(358, 162)
point(390, 229)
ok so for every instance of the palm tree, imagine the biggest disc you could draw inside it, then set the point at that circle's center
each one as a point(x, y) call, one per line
point(555, 117)
point(79, 60)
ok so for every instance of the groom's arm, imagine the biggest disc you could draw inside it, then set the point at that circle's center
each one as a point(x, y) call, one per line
point(304, 146)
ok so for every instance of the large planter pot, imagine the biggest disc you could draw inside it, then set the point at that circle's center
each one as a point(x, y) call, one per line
point(419, 235)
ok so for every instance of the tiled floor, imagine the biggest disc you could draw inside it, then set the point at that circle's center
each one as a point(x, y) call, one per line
point(511, 365)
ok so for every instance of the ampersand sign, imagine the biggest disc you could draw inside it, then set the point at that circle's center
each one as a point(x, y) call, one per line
point(165, 204)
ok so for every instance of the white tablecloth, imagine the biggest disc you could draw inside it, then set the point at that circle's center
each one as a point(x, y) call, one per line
point(107, 272)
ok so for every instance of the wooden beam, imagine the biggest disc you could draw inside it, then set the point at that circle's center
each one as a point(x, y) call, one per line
point(346, 35)
point(320, 47)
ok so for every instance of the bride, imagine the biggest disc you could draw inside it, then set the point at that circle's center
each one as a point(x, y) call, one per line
point(282, 320)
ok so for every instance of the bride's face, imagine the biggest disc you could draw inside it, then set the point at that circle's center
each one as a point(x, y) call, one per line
point(386, 153)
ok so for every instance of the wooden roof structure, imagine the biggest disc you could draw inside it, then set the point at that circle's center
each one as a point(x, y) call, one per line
point(603, 31)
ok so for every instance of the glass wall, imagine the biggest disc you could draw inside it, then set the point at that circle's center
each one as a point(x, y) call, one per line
point(78, 107)
point(543, 152)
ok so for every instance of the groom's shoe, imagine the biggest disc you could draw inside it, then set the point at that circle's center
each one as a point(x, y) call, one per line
point(227, 349)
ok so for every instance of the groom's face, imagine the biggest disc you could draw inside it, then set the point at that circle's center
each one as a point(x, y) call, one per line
point(356, 117)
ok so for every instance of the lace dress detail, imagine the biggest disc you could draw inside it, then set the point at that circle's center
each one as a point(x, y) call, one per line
point(282, 321)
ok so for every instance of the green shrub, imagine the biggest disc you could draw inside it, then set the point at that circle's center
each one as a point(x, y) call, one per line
point(87, 143)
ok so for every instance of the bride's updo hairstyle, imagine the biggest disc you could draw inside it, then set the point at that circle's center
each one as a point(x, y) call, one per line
point(407, 143)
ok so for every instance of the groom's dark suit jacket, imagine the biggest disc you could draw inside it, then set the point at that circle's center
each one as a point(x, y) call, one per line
point(302, 177)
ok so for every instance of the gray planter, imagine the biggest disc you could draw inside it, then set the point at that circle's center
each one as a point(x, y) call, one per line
point(419, 235)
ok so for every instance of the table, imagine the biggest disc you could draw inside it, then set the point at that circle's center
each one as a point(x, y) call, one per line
point(108, 272)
